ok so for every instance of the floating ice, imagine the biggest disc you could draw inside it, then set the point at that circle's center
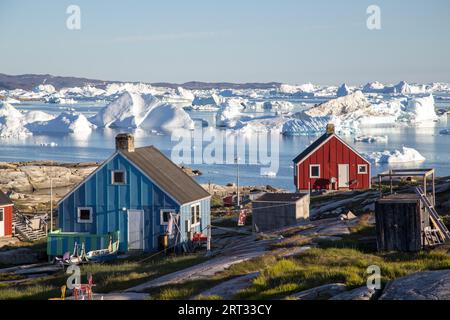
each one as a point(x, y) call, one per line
point(371, 139)
point(396, 156)
point(12, 122)
point(66, 122)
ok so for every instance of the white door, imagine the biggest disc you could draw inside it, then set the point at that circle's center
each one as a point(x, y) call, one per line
point(2, 222)
point(135, 230)
point(343, 176)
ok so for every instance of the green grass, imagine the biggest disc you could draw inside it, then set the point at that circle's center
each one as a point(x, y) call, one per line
point(194, 288)
point(320, 266)
point(115, 276)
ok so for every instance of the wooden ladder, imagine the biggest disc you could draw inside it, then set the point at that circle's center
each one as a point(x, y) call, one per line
point(434, 216)
point(432, 237)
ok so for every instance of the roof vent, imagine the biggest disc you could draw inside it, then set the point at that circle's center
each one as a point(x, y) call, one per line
point(330, 128)
point(125, 142)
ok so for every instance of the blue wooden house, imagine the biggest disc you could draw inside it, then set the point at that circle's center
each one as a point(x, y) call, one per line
point(131, 196)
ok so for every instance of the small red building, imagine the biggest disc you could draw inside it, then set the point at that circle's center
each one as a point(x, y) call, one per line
point(6, 215)
point(331, 164)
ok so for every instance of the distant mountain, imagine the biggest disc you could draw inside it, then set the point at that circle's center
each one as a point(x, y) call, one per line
point(29, 81)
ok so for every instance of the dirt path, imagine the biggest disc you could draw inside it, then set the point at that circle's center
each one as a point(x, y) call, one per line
point(245, 249)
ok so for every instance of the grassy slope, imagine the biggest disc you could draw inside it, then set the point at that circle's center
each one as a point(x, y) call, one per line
point(107, 277)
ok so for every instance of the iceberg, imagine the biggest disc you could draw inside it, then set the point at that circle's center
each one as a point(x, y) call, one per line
point(66, 122)
point(420, 110)
point(12, 122)
point(167, 117)
point(278, 106)
point(343, 90)
point(127, 111)
point(396, 156)
point(132, 111)
point(37, 116)
point(185, 94)
point(230, 113)
point(44, 88)
point(212, 100)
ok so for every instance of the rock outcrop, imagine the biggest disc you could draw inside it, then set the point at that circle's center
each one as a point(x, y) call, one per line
point(429, 285)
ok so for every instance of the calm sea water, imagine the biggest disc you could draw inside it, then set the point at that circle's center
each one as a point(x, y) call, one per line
point(100, 144)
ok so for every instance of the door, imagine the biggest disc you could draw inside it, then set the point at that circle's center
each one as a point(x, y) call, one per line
point(343, 176)
point(2, 222)
point(135, 230)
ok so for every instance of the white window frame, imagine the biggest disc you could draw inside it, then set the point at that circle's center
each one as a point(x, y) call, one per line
point(118, 183)
point(364, 166)
point(197, 214)
point(161, 216)
point(79, 220)
point(2, 211)
point(310, 170)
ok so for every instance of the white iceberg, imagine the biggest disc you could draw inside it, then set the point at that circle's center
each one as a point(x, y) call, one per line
point(44, 88)
point(185, 94)
point(66, 122)
point(12, 122)
point(211, 100)
point(230, 113)
point(283, 106)
point(167, 117)
point(127, 111)
point(396, 156)
point(132, 111)
point(36, 116)
point(421, 110)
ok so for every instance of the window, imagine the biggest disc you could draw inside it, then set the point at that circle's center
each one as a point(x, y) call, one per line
point(2, 212)
point(84, 215)
point(118, 177)
point(362, 168)
point(195, 214)
point(314, 171)
point(165, 216)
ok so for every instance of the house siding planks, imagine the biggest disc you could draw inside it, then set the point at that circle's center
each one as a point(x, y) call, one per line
point(329, 156)
point(8, 217)
point(107, 201)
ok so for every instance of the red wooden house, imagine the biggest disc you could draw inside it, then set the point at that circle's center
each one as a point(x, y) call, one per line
point(6, 215)
point(331, 164)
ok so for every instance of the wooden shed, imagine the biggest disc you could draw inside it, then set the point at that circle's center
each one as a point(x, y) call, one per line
point(6, 215)
point(409, 221)
point(273, 211)
point(400, 221)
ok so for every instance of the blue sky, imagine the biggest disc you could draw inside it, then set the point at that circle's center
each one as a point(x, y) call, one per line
point(324, 42)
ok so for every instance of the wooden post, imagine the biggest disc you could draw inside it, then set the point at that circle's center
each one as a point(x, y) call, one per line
point(208, 241)
point(434, 189)
point(390, 178)
point(425, 186)
point(379, 186)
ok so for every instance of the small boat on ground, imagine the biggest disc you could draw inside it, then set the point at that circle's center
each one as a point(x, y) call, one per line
point(104, 255)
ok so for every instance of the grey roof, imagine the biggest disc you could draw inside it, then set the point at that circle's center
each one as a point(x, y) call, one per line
point(166, 174)
point(280, 197)
point(4, 200)
point(312, 147)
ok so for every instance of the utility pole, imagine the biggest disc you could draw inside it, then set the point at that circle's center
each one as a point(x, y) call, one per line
point(237, 182)
point(51, 205)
